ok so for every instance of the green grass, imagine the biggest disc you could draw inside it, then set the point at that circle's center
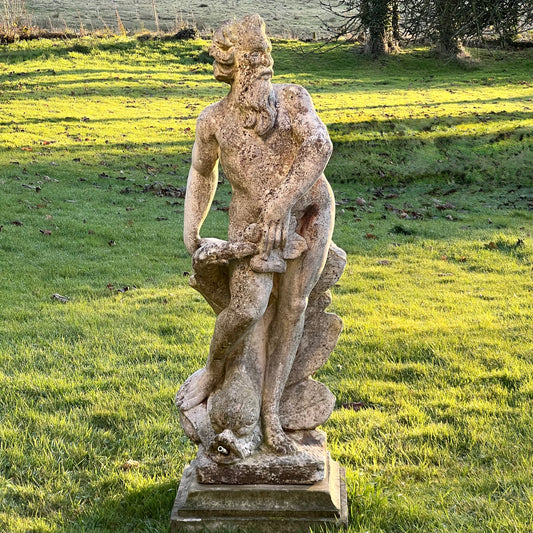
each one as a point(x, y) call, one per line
point(437, 299)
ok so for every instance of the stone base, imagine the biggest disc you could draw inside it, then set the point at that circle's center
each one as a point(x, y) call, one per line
point(260, 508)
point(305, 467)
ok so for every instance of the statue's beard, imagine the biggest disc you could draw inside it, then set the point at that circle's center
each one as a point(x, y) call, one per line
point(257, 104)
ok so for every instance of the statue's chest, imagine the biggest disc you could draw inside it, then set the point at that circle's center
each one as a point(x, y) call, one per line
point(243, 148)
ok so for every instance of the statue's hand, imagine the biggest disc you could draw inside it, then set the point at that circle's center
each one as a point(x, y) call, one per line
point(276, 220)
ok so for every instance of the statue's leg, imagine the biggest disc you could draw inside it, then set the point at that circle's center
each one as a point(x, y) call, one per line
point(250, 293)
point(286, 331)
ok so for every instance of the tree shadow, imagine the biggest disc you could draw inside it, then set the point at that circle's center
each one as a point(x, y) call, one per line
point(140, 510)
point(473, 147)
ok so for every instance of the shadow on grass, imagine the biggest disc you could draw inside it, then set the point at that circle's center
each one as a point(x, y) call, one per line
point(110, 83)
point(397, 156)
point(135, 510)
point(190, 50)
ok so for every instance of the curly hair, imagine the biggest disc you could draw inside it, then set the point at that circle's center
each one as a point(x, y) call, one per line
point(245, 34)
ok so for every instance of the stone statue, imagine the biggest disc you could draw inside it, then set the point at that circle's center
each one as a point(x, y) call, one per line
point(268, 283)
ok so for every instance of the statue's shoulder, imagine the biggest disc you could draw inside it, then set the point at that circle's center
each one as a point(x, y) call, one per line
point(294, 99)
point(210, 113)
point(208, 120)
point(290, 92)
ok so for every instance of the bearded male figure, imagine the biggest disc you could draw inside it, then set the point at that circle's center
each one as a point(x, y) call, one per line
point(273, 148)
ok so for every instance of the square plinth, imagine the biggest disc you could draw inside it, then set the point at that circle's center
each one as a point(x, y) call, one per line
point(260, 508)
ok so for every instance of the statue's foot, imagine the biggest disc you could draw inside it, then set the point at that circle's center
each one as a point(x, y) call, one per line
point(195, 390)
point(277, 440)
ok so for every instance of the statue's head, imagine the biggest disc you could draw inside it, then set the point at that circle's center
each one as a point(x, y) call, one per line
point(241, 47)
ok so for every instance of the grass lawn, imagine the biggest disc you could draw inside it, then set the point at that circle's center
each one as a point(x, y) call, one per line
point(433, 174)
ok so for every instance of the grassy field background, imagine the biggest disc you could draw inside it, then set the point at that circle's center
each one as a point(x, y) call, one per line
point(433, 374)
point(297, 18)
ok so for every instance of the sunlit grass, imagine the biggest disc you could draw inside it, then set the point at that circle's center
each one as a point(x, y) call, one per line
point(437, 299)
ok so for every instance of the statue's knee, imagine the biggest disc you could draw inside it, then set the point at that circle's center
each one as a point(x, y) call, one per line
point(297, 306)
point(248, 315)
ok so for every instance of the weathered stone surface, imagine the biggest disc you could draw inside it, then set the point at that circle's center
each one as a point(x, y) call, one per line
point(260, 508)
point(253, 408)
point(305, 466)
point(333, 269)
point(320, 336)
point(305, 405)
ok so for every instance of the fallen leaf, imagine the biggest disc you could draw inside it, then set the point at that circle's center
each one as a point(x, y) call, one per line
point(491, 245)
point(384, 262)
point(45, 231)
point(35, 188)
point(126, 288)
point(59, 298)
point(17, 223)
point(370, 236)
point(128, 465)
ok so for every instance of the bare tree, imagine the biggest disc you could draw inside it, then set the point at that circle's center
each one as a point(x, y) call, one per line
point(375, 21)
point(444, 23)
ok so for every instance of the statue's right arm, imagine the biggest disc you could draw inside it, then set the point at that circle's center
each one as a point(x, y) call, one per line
point(202, 181)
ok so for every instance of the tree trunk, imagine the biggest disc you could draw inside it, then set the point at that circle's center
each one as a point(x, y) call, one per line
point(395, 21)
point(377, 18)
point(448, 44)
point(506, 21)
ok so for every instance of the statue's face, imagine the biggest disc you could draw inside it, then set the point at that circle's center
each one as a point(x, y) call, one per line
point(256, 63)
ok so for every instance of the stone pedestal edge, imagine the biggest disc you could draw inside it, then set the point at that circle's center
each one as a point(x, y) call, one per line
point(260, 508)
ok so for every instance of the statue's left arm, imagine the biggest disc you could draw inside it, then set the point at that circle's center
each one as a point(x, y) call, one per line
point(312, 157)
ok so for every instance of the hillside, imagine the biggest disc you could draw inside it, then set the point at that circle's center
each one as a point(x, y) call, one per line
point(297, 18)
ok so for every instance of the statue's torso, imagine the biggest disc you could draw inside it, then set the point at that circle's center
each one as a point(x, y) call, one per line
point(255, 165)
